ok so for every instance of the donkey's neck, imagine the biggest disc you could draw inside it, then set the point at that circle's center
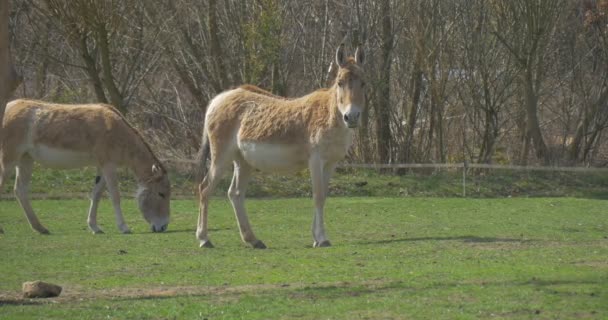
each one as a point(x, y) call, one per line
point(329, 105)
point(141, 162)
point(143, 171)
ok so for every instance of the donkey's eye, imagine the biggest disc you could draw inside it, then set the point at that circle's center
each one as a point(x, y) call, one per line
point(162, 195)
point(341, 83)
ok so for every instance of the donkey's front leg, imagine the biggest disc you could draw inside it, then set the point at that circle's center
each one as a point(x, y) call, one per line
point(319, 193)
point(100, 184)
point(109, 174)
point(22, 190)
point(3, 175)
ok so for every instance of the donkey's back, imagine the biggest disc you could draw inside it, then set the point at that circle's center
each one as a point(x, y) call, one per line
point(61, 136)
point(270, 133)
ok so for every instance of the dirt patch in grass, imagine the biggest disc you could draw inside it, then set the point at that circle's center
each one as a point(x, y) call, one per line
point(74, 294)
point(501, 244)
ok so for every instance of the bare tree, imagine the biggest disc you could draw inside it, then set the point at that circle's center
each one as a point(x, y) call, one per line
point(431, 32)
point(525, 28)
point(112, 40)
point(487, 76)
point(590, 80)
point(507, 77)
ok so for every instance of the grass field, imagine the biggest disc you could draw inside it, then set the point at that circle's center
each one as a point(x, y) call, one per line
point(392, 258)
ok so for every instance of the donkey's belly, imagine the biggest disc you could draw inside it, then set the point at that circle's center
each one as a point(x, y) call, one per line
point(274, 157)
point(60, 158)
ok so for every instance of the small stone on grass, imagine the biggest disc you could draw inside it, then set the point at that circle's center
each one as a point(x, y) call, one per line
point(39, 289)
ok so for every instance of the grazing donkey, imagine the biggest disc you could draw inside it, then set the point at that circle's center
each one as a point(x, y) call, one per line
point(74, 136)
point(255, 130)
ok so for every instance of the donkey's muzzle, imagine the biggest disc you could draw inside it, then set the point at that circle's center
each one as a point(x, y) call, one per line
point(351, 119)
point(159, 229)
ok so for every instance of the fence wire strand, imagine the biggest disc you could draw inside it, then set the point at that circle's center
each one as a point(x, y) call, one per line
point(465, 166)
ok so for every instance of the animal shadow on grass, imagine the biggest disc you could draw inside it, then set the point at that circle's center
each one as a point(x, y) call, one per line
point(19, 302)
point(190, 230)
point(466, 239)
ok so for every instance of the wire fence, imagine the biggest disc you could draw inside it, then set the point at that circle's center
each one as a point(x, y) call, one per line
point(457, 165)
point(463, 179)
point(464, 166)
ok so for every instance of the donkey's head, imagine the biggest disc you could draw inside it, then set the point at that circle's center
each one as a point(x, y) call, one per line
point(350, 82)
point(153, 199)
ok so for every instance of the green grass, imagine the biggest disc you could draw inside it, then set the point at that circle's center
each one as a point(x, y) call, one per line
point(393, 258)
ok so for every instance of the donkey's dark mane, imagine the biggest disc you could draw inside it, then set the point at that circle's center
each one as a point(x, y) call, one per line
point(137, 133)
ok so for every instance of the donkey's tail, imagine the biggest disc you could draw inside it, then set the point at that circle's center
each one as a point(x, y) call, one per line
point(202, 156)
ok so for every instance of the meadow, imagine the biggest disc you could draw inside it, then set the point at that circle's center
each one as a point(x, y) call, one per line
point(392, 258)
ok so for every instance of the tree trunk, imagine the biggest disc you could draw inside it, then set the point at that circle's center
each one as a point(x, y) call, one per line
point(582, 129)
point(364, 147)
point(577, 141)
point(215, 48)
point(490, 134)
point(533, 125)
point(525, 150)
point(106, 66)
point(440, 134)
point(383, 130)
point(589, 146)
point(9, 78)
point(412, 114)
point(40, 86)
point(4, 59)
point(91, 69)
point(191, 84)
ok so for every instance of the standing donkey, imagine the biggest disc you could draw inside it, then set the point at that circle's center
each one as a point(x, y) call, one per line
point(74, 136)
point(255, 130)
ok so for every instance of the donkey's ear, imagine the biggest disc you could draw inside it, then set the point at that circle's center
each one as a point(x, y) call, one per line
point(157, 170)
point(340, 58)
point(359, 55)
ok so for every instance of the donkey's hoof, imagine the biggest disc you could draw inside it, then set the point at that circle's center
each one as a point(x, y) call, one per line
point(206, 244)
point(128, 231)
point(43, 231)
point(98, 231)
point(258, 244)
point(323, 244)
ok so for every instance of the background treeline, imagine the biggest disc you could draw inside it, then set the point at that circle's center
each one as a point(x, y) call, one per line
point(490, 81)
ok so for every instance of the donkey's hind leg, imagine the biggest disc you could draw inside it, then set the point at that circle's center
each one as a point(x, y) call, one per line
point(236, 194)
point(22, 186)
point(100, 184)
point(205, 189)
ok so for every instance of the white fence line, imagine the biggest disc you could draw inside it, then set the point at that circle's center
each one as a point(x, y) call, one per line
point(457, 165)
point(472, 165)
